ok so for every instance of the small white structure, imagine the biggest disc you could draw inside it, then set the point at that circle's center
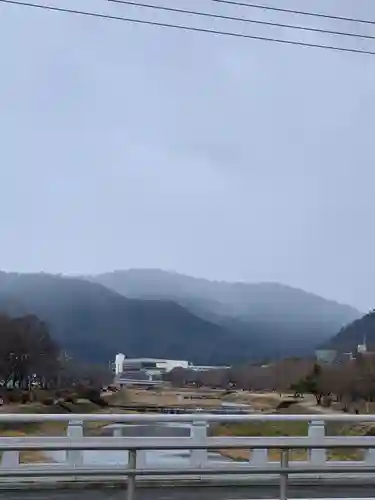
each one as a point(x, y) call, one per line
point(119, 363)
point(362, 348)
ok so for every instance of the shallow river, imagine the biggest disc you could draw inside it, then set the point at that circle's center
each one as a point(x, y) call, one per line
point(153, 459)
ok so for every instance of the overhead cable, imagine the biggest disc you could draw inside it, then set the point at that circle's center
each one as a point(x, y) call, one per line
point(292, 11)
point(240, 19)
point(185, 27)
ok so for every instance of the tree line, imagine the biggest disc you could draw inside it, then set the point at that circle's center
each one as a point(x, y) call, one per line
point(352, 381)
point(31, 357)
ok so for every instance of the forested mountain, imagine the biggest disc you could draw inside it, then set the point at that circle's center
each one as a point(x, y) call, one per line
point(360, 330)
point(93, 323)
point(277, 320)
point(173, 316)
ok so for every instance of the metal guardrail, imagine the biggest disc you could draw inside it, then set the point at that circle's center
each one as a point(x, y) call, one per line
point(192, 417)
point(178, 410)
point(180, 443)
point(199, 443)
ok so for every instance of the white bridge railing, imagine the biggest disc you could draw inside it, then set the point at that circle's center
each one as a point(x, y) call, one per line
point(199, 466)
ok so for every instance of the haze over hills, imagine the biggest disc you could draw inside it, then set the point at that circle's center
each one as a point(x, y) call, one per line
point(276, 320)
point(93, 322)
point(173, 316)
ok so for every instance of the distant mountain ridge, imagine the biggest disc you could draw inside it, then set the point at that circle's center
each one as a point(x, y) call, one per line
point(359, 331)
point(276, 319)
point(165, 315)
point(93, 322)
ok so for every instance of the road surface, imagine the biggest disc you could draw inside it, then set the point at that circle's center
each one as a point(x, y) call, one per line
point(193, 494)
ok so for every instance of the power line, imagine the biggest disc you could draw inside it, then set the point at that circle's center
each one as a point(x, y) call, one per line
point(291, 11)
point(241, 19)
point(185, 27)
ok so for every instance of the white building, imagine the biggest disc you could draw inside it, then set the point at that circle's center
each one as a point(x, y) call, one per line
point(122, 363)
point(156, 366)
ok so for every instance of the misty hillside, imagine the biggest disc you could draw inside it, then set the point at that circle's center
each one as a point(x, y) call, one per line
point(287, 320)
point(354, 333)
point(93, 323)
point(173, 316)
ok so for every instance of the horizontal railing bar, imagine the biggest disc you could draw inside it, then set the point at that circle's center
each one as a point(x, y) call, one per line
point(188, 417)
point(116, 471)
point(181, 443)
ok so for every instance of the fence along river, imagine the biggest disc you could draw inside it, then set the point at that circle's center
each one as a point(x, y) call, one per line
point(141, 449)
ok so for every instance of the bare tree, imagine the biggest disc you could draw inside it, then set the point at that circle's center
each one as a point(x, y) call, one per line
point(27, 351)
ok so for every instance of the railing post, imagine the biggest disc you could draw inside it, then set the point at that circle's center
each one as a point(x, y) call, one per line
point(370, 456)
point(117, 432)
point(132, 465)
point(316, 432)
point(259, 457)
point(284, 462)
point(75, 431)
point(198, 433)
point(141, 454)
point(10, 459)
point(141, 459)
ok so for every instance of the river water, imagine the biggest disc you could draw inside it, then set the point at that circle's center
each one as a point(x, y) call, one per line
point(152, 458)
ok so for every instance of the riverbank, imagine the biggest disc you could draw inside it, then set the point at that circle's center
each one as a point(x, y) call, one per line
point(182, 398)
point(274, 403)
point(80, 405)
point(260, 402)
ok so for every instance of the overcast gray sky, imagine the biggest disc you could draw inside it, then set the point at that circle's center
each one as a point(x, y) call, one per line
point(133, 146)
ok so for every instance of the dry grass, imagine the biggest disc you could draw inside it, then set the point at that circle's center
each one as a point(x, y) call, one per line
point(30, 457)
point(49, 428)
point(45, 429)
point(273, 455)
point(259, 429)
point(292, 428)
point(173, 398)
point(261, 402)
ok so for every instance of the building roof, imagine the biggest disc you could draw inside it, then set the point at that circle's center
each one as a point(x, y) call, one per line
point(153, 360)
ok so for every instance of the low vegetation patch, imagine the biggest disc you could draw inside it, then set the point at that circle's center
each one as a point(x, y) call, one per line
point(292, 428)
